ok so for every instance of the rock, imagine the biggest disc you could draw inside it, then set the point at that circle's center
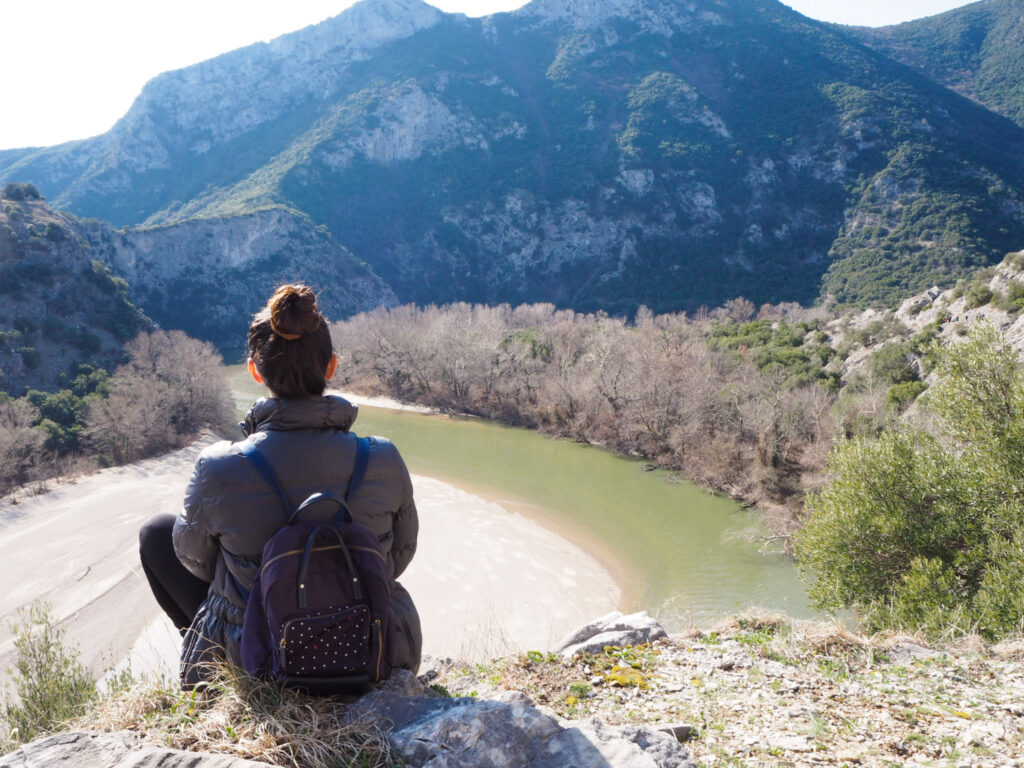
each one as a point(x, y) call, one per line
point(611, 629)
point(905, 653)
point(679, 731)
point(84, 749)
point(594, 744)
point(789, 742)
point(430, 731)
point(402, 682)
point(735, 661)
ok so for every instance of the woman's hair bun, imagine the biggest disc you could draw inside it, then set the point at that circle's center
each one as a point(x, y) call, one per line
point(293, 311)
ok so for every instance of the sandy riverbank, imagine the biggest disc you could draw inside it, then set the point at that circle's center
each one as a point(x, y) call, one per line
point(379, 401)
point(486, 580)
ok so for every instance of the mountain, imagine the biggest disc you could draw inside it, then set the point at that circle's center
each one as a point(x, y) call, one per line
point(977, 50)
point(598, 154)
point(59, 306)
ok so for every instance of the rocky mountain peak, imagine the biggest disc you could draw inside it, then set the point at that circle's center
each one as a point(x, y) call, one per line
point(218, 99)
point(658, 16)
point(358, 30)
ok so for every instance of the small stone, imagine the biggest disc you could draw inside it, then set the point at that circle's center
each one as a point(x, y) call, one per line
point(790, 743)
point(681, 731)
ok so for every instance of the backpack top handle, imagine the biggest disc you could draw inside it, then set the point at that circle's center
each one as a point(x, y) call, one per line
point(343, 515)
point(357, 585)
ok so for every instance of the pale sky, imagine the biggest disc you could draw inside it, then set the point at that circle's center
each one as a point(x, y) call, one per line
point(73, 67)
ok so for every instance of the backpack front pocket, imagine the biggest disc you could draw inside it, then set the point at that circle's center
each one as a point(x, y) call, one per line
point(326, 642)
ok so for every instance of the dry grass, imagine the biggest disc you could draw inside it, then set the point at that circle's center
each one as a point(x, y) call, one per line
point(1010, 650)
point(795, 638)
point(239, 716)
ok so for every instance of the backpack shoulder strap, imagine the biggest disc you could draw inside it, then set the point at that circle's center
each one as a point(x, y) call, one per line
point(358, 473)
point(262, 466)
point(359, 469)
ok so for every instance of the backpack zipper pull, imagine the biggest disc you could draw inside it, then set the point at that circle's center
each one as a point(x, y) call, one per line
point(378, 636)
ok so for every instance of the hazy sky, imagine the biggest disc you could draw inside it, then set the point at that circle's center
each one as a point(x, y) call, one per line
point(73, 67)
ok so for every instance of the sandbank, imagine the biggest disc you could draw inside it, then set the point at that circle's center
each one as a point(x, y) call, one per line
point(380, 401)
point(487, 581)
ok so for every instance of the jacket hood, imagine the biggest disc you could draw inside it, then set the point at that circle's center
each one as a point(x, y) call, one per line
point(280, 414)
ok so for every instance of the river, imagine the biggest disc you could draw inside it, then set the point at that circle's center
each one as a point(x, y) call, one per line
point(685, 555)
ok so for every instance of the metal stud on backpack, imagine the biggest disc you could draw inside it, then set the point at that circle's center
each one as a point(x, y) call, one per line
point(317, 615)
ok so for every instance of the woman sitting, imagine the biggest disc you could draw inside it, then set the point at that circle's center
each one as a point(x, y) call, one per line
point(202, 564)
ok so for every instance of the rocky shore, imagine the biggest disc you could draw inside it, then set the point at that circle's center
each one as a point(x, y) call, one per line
point(765, 691)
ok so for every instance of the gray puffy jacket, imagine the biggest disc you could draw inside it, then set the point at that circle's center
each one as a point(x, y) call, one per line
point(230, 512)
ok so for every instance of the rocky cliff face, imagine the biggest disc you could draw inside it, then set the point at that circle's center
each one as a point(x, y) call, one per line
point(208, 276)
point(599, 154)
point(58, 306)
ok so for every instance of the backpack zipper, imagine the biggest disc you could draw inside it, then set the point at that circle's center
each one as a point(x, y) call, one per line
point(275, 558)
point(379, 633)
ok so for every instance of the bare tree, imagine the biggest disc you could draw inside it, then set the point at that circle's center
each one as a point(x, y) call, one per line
point(172, 387)
point(21, 444)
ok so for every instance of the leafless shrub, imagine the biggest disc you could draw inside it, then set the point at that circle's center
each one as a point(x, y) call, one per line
point(172, 387)
point(20, 444)
point(648, 388)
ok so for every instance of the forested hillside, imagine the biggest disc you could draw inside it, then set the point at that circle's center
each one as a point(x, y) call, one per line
point(977, 50)
point(60, 307)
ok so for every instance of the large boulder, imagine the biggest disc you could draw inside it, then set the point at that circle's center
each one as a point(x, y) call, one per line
point(613, 629)
point(430, 731)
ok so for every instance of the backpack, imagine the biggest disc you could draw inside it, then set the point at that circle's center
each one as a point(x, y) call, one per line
point(317, 616)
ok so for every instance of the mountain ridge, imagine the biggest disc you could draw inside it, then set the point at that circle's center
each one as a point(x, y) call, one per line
point(976, 50)
point(598, 155)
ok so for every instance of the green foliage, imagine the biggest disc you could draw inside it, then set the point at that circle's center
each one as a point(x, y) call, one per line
point(532, 339)
point(923, 533)
point(62, 415)
point(16, 191)
point(971, 49)
point(1015, 261)
point(51, 684)
point(892, 364)
point(29, 356)
point(901, 395)
point(978, 294)
point(779, 348)
point(1012, 299)
point(54, 233)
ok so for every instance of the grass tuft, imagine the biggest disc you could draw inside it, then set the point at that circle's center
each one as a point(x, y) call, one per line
point(237, 715)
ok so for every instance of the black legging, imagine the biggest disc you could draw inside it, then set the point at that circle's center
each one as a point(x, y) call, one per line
point(177, 591)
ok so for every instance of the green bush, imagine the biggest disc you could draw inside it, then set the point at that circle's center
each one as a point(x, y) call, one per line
point(921, 531)
point(1012, 299)
point(978, 295)
point(16, 191)
point(901, 395)
point(54, 233)
point(29, 356)
point(51, 684)
point(891, 364)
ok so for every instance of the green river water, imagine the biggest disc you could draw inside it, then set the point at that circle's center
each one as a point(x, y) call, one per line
point(680, 553)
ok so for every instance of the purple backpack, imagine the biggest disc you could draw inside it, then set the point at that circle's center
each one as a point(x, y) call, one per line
point(317, 617)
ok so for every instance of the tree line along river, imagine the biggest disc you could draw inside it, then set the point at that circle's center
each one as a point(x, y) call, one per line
point(684, 555)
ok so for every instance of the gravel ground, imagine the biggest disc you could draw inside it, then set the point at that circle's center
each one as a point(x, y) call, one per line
point(766, 691)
